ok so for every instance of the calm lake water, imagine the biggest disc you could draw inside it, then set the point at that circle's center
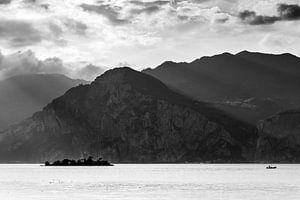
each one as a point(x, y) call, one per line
point(157, 181)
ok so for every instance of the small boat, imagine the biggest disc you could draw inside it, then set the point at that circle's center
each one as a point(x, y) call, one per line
point(271, 167)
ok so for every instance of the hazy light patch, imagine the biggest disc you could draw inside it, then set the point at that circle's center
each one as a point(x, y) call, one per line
point(21, 63)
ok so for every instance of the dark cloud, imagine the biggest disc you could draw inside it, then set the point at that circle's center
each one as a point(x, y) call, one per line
point(213, 2)
point(26, 63)
point(5, 1)
point(151, 3)
point(251, 18)
point(183, 17)
point(30, 1)
point(55, 29)
point(45, 6)
point(38, 4)
point(80, 28)
point(105, 10)
point(75, 26)
point(222, 20)
point(285, 12)
point(19, 33)
point(148, 10)
point(289, 12)
point(147, 7)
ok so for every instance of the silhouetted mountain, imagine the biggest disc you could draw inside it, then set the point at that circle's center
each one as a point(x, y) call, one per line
point(279, 137)
point(128, 116)
point(21, 96)
point(248, 85)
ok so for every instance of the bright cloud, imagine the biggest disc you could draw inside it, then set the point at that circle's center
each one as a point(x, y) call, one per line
point(145, 33)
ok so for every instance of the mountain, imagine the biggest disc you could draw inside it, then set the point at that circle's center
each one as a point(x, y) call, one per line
point(21, 96)
point(128, 116)
point(250, 86)
point(279, 137)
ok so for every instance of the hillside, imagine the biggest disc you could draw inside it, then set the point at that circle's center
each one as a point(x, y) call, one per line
point(128, 116)
point(21, 96)
point(251, 86)
point(279, 137)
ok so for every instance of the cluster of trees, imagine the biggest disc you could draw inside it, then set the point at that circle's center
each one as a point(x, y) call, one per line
point(81, 162)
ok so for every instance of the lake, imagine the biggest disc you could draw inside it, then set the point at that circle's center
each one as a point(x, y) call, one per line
point(150, 181)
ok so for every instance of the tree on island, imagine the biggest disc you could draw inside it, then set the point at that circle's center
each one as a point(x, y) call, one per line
point(81, 162)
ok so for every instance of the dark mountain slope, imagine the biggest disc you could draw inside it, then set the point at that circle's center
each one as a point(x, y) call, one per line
point(21, 96)
point(284, 63)
point(243, 85)
point(279, 138)
point(128, 116)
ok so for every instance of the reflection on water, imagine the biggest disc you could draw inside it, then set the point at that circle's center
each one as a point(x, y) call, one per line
point(129, 181)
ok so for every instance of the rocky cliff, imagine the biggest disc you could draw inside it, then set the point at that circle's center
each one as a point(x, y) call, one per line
point(128, 116)
point(279, 138)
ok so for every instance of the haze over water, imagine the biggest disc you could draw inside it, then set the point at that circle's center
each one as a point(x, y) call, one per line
point(150, 181)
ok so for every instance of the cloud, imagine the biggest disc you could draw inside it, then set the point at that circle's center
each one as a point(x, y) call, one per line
point(26, 63)
point(80, 27)
point(55, 29)
point(88, 72)
point(5, 1)
point(141, 32)
point(106, 11)
point(45, 6)
point(148, 10)
point(150, 3)
point(250, 17)
point(30, 1)
point(37, 3)
point(148, 7)
point(74, 26)
point(289, 12)
point(279, 43)
point(285, 12)
point(19, 33)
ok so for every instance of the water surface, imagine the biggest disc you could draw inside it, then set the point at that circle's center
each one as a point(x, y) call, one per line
point(150, 181)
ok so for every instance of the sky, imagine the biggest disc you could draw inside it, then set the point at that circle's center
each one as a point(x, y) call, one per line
point(81, 38)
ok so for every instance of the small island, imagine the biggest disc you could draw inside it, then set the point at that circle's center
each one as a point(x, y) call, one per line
point(81, 162)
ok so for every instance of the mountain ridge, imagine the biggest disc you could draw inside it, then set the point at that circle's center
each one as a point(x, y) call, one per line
point(22, 95)
point(229, 78)
point(120, 117)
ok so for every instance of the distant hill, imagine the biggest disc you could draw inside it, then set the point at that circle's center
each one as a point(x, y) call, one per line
point(251, 86)
point(21, 96)
point(128, 116)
